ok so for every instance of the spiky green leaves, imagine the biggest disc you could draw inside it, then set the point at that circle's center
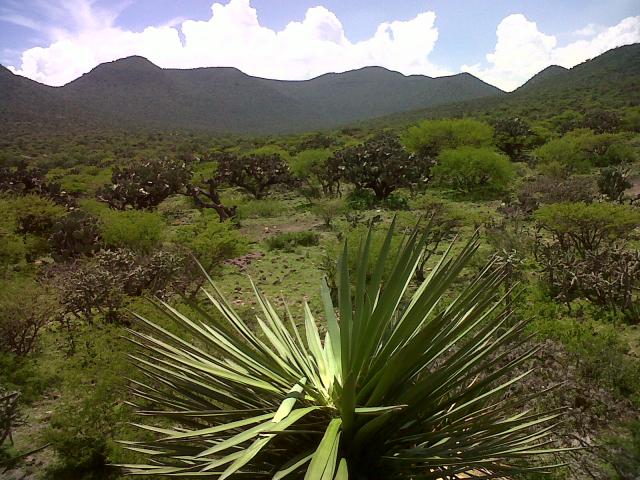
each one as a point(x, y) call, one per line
point(408, 381)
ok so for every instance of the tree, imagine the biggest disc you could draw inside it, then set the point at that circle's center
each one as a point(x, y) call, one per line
point(601, 121)
point(395, 389)
point(380, 164)
point(145, 184)
point(430, 137)
point(613, 181)
point(471, 169)
point(510, 136)
point(254, 174)
point(585, 227)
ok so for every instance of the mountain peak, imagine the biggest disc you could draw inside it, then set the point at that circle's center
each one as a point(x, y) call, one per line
point(548, 72)
point(134, 62)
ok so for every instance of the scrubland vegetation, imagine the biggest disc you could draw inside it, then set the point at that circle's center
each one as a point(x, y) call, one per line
point(538, 221)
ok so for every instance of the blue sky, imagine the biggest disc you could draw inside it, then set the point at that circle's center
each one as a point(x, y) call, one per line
point(54, 41)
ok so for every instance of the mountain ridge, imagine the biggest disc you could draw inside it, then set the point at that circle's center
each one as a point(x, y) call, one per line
point(133, 92)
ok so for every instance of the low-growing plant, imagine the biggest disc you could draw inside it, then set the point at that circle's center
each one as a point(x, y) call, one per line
point(211, 241)
point(613, 182)
point(394, 390)
point(431, 137)
point(265, 208)
point(138, 230)
point(328, 209)
point(585, 227)
point(36, 215)
point(144, 184)
point(288, 241)
point(26, 307)
point(75, 234)
point(470, 169)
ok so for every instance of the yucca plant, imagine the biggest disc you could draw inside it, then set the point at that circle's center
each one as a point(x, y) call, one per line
point(401, 386)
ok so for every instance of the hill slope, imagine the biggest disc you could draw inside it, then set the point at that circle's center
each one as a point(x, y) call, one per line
point(134, 93)
point(609, 81)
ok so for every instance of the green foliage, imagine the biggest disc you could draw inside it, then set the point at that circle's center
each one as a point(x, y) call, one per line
point(25, 308)
point(91, 414)
point(586, 226)
point(598, 350)
point(144, 184)
point(138, 230)
point(380, 164)
point(75, 234)
point(306, 162)
point(211, 241)
point(363, 392)
point(288, 241)
point(255, 174)
point(328, 209)
point(471, 169)
point(12, 249)
point(613, 181)
point(511, 135)
point(580, 150)
point(35, 215)
point(430, 137)
point(264, 208)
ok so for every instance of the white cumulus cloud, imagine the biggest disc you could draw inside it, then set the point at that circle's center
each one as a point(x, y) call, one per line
point(233, 36)
point(522, 50)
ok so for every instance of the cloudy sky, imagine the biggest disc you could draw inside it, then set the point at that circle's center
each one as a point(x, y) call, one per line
point(502, 42)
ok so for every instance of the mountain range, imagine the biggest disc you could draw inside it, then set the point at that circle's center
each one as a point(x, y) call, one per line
point(134, 94)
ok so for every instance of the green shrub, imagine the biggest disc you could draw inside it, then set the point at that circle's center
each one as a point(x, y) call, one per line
point(430, 137)
point(75, 234)
point(25, 308)
point(328, 209)
point(581, 150)
point(265, 208)
point(471, 169)
point(91, 416)
point(12, 249)
point(585, 226)
point(211, 241)
point(288, 241)
point(598, 350)
point(134, 229)
point(36, 215)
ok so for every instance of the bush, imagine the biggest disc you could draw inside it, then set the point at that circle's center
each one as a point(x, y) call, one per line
point(511, 136)
point(328, 209)
point(431, 137)
point(265, 208)
point(12, 249)
point(581, 150)
point(144, 184)
point(137, 230)
point(586, 227)
point(36, 215)
point(288, 241)
point(544, 190)
point(472, 169)
point(613, 181)
point(25, 308)
point(91, 416)
point(380, 164)
point(255, 174)
point(73, 235)
point(212, 241)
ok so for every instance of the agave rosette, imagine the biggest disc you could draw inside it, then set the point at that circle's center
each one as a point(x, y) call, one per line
point(406, 382)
